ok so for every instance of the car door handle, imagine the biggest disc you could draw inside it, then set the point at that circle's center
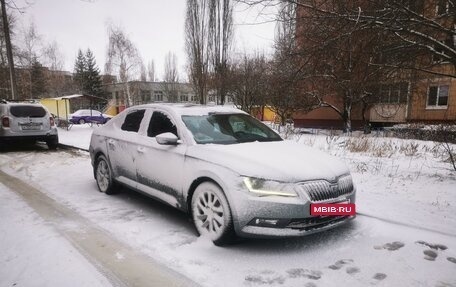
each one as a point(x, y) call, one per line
point(141, 149)
point(111, 142)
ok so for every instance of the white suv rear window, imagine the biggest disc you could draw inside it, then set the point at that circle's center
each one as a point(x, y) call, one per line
point(27, 111)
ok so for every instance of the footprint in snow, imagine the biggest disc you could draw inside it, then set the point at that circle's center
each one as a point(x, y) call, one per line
point(393, 246)
point(379, 276)
point(451, 259)
point(265, 277)
point(306, 273)
point(352, 270)
point(430, 255)
point(339, 264)
point(434, 246)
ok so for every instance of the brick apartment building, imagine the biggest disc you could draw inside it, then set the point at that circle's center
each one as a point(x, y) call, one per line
point(424, 98)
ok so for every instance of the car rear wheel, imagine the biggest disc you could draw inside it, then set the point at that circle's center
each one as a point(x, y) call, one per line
point(81, 121)
point(211, 214)
point(53, 143)
point(103, 176)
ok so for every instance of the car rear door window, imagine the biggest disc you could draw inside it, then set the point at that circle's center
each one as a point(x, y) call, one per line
point(27, 111)
point(133, 121)
point(160, 123)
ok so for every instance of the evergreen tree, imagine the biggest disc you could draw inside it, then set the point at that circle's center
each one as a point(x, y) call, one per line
point(38, 79)
point(93, 78)
point(80, 69)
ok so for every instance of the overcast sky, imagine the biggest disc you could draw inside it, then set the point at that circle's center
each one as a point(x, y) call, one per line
point(154, 26)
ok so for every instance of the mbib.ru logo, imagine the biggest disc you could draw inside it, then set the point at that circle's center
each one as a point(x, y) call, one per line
point(333, 209)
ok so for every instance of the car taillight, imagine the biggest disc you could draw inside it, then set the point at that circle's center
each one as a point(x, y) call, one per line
point(5, 122)
point(51, 120)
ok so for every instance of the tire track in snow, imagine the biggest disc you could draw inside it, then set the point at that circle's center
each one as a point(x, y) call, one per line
point(122, 265)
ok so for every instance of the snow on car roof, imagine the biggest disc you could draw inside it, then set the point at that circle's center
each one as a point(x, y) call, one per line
point(193, 109)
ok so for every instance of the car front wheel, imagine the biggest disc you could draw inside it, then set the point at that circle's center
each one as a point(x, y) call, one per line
point(211, 214)
point(103, 176)
point(81, 121)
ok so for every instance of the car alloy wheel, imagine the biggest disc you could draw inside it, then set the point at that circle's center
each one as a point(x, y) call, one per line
point(103, 176)
point(211, 214)
point(81, 121)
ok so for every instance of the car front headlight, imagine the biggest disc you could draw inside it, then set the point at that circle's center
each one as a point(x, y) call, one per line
point(262, 187)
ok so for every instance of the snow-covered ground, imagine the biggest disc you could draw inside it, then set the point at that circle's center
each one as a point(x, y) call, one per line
point(404, 235)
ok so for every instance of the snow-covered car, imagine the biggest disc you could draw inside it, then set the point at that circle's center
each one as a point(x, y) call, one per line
point(234, 175)
point(88, 116)
point(27, 122)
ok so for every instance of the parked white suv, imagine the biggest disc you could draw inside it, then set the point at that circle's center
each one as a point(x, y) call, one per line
point(27, 122)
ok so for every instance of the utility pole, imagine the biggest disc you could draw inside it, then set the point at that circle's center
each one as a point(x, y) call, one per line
point(9, 52)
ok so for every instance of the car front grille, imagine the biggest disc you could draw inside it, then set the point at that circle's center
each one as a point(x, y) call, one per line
point(323, 190)
point(312, 223)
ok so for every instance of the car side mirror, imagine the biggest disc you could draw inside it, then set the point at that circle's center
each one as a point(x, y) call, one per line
point(167, 139)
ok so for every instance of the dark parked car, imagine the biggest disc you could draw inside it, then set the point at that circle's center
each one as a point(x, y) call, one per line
point(89, 116)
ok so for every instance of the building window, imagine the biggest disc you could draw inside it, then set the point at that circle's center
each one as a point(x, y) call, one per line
point(438, 96)
point(394, 93)
point(184, 98)
point(158, 96)
point(194, 99)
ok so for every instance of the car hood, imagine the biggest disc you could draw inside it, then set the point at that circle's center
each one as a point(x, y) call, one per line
point(281, 161)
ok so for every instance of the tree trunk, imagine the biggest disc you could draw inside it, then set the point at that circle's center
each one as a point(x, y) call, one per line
point(346, 116)
point(9, 51)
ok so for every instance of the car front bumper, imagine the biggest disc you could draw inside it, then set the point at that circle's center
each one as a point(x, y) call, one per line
point(274, 216)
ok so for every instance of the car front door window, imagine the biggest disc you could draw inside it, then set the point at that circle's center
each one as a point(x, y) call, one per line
point(160, 123)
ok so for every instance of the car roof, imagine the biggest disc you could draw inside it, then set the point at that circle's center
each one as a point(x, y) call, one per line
point(192, 109)
point(86, 110)
point(23, 104)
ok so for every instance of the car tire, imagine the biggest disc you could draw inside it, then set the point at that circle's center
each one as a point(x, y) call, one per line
point(81, 121)
point(53, 143)
point(103, 176)
point(211, 214)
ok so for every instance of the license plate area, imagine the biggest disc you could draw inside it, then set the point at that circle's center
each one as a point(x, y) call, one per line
point(341, 208)
point(31, 127)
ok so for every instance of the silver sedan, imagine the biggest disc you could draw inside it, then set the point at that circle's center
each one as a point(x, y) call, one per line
point(232, 174)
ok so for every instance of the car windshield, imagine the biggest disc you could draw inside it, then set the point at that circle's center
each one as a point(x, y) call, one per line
point(24, 111)
point(228, 129)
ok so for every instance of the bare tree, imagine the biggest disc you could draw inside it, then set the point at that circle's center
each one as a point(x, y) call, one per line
point(286, 92)
point(123, 59)
point(248, 79)
point(9, 48)
point(171, 73)
point(220, 40)
point(171, 77)
point(417, 35)
point(58, 83)
point(196, 42)
point(143, 73)
point(341, 57)
point(8, 82)
point(53, 56)
point(151, 70)
point(32, 45)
